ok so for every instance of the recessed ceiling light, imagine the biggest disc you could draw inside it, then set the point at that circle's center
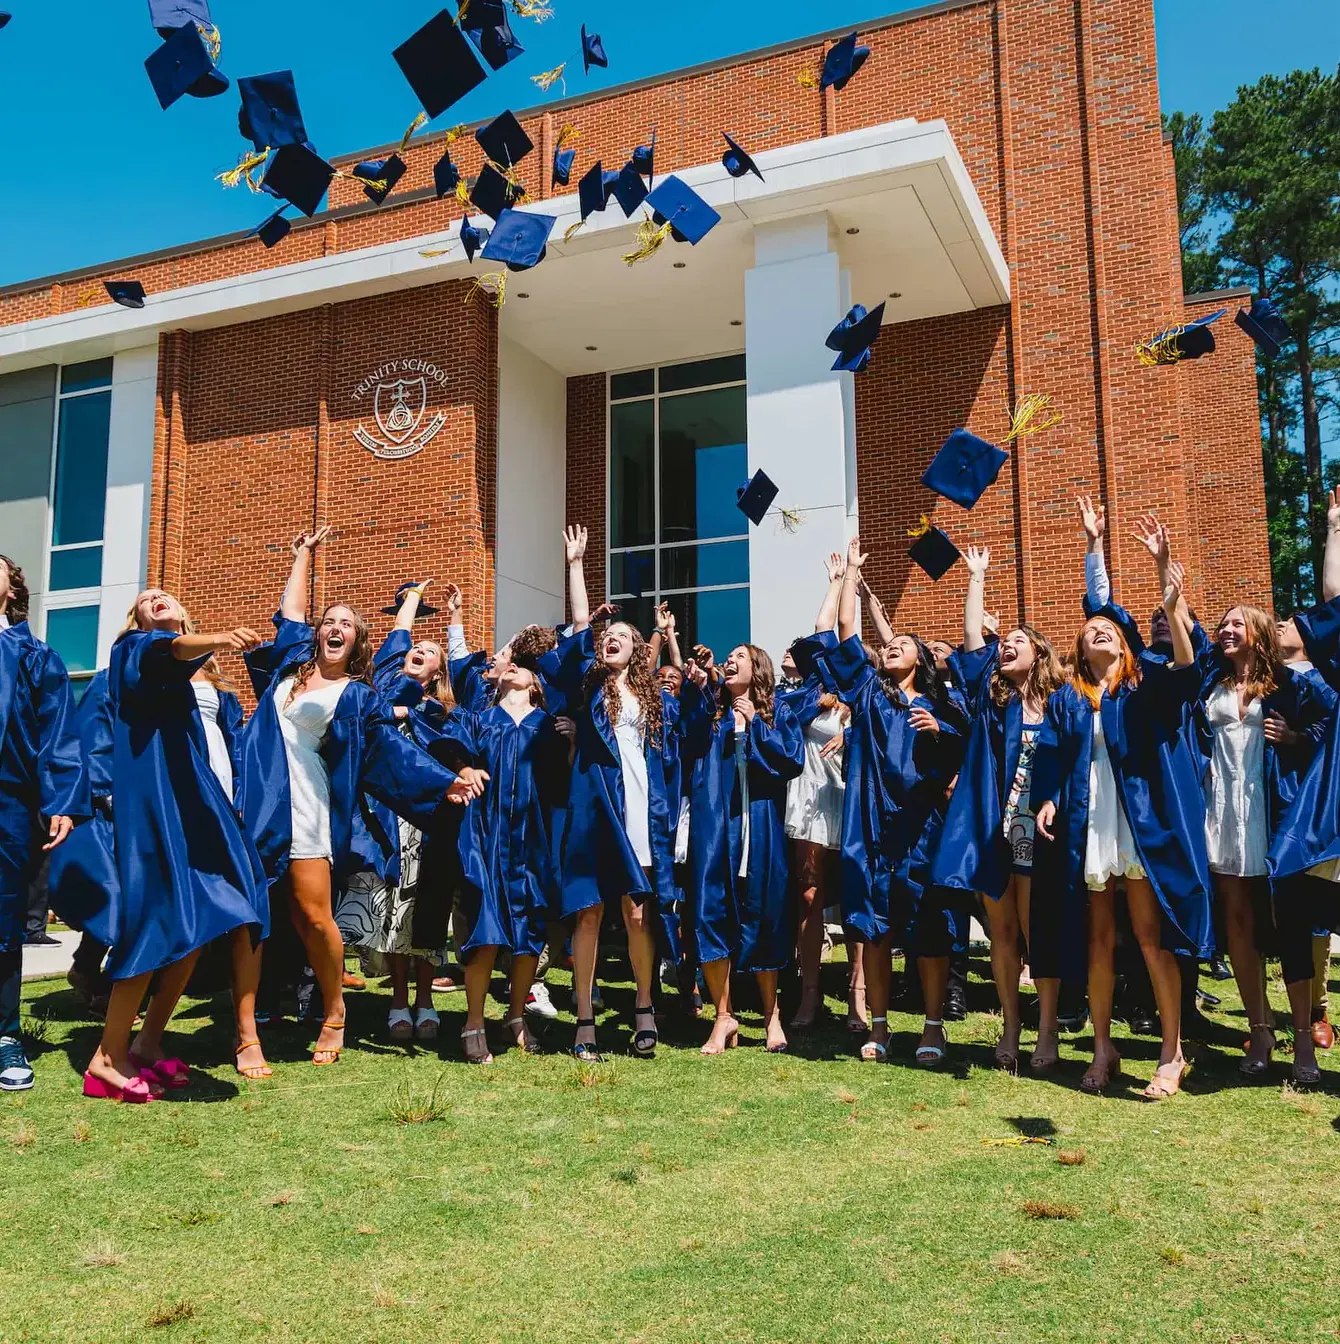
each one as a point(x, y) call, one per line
point(523, 295)
point(895, 294)
point(735, 322)
point(592, 347)
point(679, 265)
point(853, 230)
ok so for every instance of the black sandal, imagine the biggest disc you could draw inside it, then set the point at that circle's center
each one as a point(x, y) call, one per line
point(587, 1052)
point(644, 1042)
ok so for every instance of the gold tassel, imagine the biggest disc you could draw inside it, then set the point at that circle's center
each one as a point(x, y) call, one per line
point(808, 79)
point(454, 134)
point(546, 79)
point(460, 12)
point(492, 285)
point(462, 191)
point(650, 236)
point(420, 121)
point(1032, 415)
point(791, 519)
point(213, 40)
point(921, 528)
point(88, 297)
point(436, 252)
point(571, 229)
point(539, 10)
point(376, 183)
point(246, 167)
point(1016, 1141)
point(566, 136)
point(1159, 348)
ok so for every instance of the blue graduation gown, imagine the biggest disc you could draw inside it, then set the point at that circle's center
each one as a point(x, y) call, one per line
point(896, 779)
point(750, 920)
point(42, 772)
point(597, 859)
point(364, 753)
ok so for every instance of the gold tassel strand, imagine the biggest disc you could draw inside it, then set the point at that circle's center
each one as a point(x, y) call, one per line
point(1032, 415)
point(213, 40)
point(492, 285)
point(417, 124)
point(571, 229)
point(245, 170)
point(650, 236)
point(567, 136)
point(88, 298)
point(546, 79)
point(376, 183)
point(539, 10)
point(791, 520)
point(921, 528)
point(808, 79)
point(1159, 348)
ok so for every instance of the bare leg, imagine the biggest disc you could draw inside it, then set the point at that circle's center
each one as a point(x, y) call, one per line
point(423, 983)
point(933, 972)
point(1301, 994)
point(585, 944)
point(1166, 977)
point(772, 1014)
point(523, 976)
point(397, 966)
point(111, 1060)
point(637, 919)
point(311, 909)
point(246, 961)
point(478, 973)
point(172, 980)
point(1248, 966)
point(808, 875)
point(856, 1001)
point(877, 962)
point(725, 1030)
point(1102, 981)
point(1002, 919)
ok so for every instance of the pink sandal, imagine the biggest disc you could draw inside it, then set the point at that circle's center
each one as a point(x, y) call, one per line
point(137, 1090)
point(172, 1073)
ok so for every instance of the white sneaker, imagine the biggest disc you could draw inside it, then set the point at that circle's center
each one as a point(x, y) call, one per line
point(539, 1003)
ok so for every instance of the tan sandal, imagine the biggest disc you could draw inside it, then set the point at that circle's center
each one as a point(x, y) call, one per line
point(254, 1071)
point(333, 1050)
point(1160, 1089)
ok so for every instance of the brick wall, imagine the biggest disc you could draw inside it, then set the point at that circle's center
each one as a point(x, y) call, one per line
point(585, 503)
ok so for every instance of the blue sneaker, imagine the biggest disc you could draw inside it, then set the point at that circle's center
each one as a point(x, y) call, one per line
point(16, 1074)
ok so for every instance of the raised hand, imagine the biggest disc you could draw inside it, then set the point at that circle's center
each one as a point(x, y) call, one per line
point(422, 588)
point(702, 655)
point(236, 641)
point(604, 612)
point(696, 674)
point(836, 567)
point(977, 558)
point(855, 559)
point(1093, 517)
point(665, 619)
point(923, 721)
point(1333, 510)
point(455, 599)
point(309, 541)
point(1154, 537)
point(574, 543)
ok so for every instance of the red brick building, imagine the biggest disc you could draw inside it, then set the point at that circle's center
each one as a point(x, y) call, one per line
point(996, 172)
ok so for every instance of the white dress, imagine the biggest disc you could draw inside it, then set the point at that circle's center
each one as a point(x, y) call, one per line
point(1109, 849)
point(207, 702)
point(304, 725)
point(628, 733)
point(1236, 824)
point(814, 797)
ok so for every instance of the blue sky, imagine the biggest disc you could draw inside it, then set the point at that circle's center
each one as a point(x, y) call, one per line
point(97, 171)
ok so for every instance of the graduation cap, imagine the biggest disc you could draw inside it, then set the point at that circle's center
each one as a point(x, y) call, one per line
point(128, 293)
point(183, 65)
point(275, 229)
point(485, 23)
point(644, 158)
point(737, 162)
point(493, 193)
point(593, 51)
point(1264, 325)
point(932, 550)
point(964, 468)
point(472, 239)
point(270, 115)
point(563, 161)
point(400, 594)
point(844, 59)
point(677, 204)
point(591, 196)
point(854, 336)
point(504, 140)
point(446, 176)
point(1188, 341)
point(299, 175)
point(519, 239)
point(438, 64)
point(5, 17)
point(384, 173)
point(629, 189)
point(169, 15)
point(754, 498)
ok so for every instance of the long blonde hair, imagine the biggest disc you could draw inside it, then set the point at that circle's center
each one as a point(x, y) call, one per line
point(211, 670)
point(1264, 645)
point(1043, 678)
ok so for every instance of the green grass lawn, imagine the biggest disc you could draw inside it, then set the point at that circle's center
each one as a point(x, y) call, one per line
point(751, 1197)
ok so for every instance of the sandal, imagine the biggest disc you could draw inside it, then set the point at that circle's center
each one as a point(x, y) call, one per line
point(645, 1041)
point(468, 1033)
point(1306, 1075)
point(728, 1042)
point(254, 1071)
point(1257, 1068)
point(1093, 1084)
point(1160, 1089)
point(136, 1090)
point(400, 1023)
point(525, 1042)
point(874, 1052)
point(1038, 1063)
point(426, 1024)
point(587, 1052)
point(334, 1051)
point(931, 1056)
point(171, 1073)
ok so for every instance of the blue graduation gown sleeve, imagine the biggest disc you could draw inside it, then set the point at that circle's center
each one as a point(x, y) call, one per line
point(1319, 627)
point(93, 722)
point(467, 681)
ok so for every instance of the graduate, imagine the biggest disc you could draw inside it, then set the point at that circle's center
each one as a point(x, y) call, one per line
point(619, 838)
point(903, 747)
point(746, 748)
point(43, 791)
point(320, 739)
point(987, 842)
point(1116, 792)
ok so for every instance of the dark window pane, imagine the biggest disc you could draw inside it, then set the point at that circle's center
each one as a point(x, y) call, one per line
point(632, 474)
point(703, 373)
point(76, 569)
point(637, 611)
point(703, 462)
point(80, 377)
point(73, 633)
point(705, 566)
point(81, 468)
point(719, 620)
point(632, 571)
point(639, 384)
point(78, 685)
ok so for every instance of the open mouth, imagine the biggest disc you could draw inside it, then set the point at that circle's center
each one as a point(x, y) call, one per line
point(160, 608)
point(335, 641)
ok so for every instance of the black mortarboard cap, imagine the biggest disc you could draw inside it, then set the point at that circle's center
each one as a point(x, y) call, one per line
point(438, 64)
point(608, 178)
point(964, 468)
point(504, 140)
point(591, 196)
point(934, 552)
point(446, 176)
point(485, 23)
point(492, 192)
point(755, 496)
point(691, 218)
point(737, 162)
point(274, 230)
point(844, 59)
point(563, 161)
point(1192, 340)
point(853, 337)
point(400, 595)
point(1264, 325)
point(169, 15)
point(5, 17)
point(519, 238)
point(385, 171)
point(644, 158)
point(183, 65)
point(128, 293)
point(629, 189)
point(299, 175)
point(472, 239)
point(270, 115)
point(593, 51)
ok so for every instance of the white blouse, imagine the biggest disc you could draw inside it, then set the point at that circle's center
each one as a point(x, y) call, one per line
point(207, 702)
point(1109, 849)
point(1236, 821)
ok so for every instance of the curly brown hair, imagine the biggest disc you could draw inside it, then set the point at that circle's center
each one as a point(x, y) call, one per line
point(16, 608)
point(762, 685)
point(530, 644)
point(602, 677)
point(1045, 676)
point(359, 666)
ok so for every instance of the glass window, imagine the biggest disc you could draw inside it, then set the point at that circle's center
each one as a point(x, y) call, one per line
point(81, 469)
point(720, 619)
point(703, 461)
point(73, 633)
point(704, 566)
point(632, 474)
point(639, 384)
point(82, 377)
point(78, 567)
point(703, 373)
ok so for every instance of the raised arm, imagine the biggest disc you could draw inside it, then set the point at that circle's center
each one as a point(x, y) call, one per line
point(974, 604)
point(1179, 617)
point(851, 583)
point(574, 548)
point(409, 608)
point(1330, 568)
point(836, 567)
point(664, 637)
point(293, 605)
point(187, 648)
point(1097, 586)
point(1155, 538)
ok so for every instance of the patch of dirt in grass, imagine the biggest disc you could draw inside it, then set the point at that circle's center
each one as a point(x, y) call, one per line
point(1045, 1209)
point(172, 1313)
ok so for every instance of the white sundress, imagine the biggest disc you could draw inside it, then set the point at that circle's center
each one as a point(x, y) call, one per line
point(814, 797)
point(1109, 849)
point(207, 702)
point(304, 725)
point(628, 733)
point(1236, 824)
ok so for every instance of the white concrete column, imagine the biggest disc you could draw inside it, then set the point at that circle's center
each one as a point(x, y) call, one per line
point(802, 423)
point(130, 465)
